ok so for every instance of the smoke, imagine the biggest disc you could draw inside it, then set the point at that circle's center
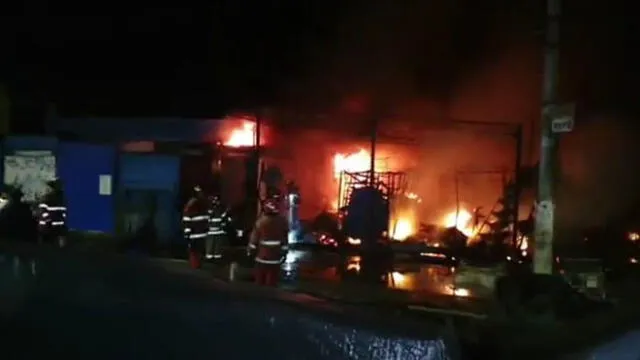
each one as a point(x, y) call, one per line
point(434, 61)
point(599, 170)
point(460, 168)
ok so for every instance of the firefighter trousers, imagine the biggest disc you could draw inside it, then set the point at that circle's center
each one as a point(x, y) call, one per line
point(214, 245)
point(194, 252)
point(267, 274)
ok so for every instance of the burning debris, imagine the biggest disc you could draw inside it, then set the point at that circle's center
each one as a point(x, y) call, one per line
point(243, 136)
point(347, 172)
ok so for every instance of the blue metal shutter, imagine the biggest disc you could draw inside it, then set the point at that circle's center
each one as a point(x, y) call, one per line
point(80, 167)
point(149, 172)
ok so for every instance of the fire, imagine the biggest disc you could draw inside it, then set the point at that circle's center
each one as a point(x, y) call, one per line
point(358, 161)
point(244, 135)
point(462, 221)
point(402, 228)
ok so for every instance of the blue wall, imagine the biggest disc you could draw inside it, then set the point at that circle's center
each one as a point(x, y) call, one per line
point(80, 166)
point(148, 191)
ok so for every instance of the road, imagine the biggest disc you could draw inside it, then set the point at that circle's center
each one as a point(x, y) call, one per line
point(77, 305)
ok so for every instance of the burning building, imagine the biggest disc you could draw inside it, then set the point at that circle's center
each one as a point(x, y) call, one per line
point(423, 182)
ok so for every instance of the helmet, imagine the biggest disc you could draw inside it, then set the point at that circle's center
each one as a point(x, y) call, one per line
point(270, 206)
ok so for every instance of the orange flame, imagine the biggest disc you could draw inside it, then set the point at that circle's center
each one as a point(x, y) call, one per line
point(358, 161)
point(462, 221)
point(242, 136)
point(402, 227)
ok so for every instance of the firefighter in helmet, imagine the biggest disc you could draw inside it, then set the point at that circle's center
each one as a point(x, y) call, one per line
point(195, 220)
point(52, 214)
point(269, 241)
point(218, 220)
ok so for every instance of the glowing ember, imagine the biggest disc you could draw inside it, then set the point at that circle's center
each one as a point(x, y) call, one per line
point(358, 161)
point(242, 136)
point(462, 222)
point(402, 228)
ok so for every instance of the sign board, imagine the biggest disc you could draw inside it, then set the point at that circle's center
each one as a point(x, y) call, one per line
point(562, 118)
point(105, 185)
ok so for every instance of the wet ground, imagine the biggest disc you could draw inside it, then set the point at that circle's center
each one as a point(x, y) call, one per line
point(428, 281)
point(64, 303)
point(56, 303)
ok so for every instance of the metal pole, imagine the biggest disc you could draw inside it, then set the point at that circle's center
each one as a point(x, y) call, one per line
point(258, 119)
point(517, 185)
point(374, 140)
point(457, 201)
point(544, 222)
point(372, 173)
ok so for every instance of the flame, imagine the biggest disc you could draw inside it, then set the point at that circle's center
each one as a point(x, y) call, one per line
point(462, 222)
point(402, 228)
point(413, 196)
point(245, 135)
point(358, 161)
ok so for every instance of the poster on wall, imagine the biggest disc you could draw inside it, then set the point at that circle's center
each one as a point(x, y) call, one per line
point(30, 173)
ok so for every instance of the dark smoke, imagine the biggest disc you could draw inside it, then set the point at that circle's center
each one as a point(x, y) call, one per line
point(600, 169)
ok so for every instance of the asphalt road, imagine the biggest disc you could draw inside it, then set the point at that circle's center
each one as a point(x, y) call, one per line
point(66, 303)
point(56, 303)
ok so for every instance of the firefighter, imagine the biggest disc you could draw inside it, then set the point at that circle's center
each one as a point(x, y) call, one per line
point(195, 219)
point(269, 241)
point(218, 221)
point(52, 214)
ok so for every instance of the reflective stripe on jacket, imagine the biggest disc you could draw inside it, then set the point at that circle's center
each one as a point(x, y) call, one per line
point(217, 220)
point(195, 219)
point(52, 216)
point(269, 238)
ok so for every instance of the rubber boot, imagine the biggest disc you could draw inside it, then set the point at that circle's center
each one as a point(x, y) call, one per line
point(194, 260)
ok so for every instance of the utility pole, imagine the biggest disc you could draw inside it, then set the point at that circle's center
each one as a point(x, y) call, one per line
point(545, 206)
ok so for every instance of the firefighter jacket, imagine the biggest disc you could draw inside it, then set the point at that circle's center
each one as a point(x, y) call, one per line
point(52, 213)
point(269, 239)
point(218, 219)
point(195, 219)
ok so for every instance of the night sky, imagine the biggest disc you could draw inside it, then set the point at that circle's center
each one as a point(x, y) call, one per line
point(213, 57)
